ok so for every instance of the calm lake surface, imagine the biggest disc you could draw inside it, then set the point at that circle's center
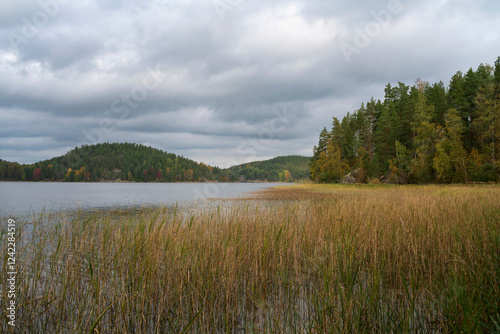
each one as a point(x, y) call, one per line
point(23, 198)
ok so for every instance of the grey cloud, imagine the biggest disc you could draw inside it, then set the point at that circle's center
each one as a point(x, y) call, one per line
point(61, 49)
point(224, 77)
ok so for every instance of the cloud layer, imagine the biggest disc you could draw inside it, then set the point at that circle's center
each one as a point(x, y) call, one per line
point(222, 81)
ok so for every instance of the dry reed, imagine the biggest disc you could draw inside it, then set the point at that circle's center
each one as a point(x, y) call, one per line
point(306, 258)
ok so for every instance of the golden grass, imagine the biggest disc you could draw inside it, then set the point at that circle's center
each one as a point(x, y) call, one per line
point(305, 258)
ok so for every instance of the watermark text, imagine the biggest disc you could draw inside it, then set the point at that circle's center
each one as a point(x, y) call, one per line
point(11, 272)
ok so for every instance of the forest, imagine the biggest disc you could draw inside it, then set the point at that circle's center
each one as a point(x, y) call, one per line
point(282, 169)
point(427, 133)
point(109, 162)
point(139, 163)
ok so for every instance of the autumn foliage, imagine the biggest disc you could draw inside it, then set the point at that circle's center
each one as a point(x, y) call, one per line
point(421, 134)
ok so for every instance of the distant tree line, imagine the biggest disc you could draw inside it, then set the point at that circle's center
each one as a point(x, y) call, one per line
point(139, 163)
point(111, 161)
point(280, 169)
point(420, 134)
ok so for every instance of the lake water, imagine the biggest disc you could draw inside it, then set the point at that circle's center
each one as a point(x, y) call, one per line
point(22, 198)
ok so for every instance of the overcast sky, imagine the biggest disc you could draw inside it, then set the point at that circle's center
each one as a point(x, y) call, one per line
point(223, 81)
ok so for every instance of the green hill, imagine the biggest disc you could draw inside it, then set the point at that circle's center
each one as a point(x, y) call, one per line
point(140, 163)
point(282, 168)
point(101, 162)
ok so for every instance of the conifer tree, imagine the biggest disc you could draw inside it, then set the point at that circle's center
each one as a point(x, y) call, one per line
point(425, 134)
point(488, 122)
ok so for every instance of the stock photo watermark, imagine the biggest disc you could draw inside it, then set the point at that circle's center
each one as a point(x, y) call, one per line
point(363, 37)
point(223, 6)
point(120, 107)
point(11, 273)
point(250, 147)
point(39, 20)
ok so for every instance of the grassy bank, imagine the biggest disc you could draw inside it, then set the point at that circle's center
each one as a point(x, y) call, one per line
point(309, 258)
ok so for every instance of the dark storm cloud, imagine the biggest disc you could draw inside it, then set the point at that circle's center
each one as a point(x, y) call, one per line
point(205, 78)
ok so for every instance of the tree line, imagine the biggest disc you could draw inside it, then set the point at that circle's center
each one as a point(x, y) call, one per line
point(427, 133)
point(111, 161)
point(280, 169)
point(139, 163)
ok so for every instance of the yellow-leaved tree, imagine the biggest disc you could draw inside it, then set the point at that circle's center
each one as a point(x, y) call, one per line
point(450, 160)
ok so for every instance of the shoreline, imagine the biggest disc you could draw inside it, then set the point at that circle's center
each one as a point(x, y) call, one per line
point(123, 181)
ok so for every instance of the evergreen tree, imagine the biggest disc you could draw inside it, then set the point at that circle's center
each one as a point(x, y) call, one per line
point(436, 96)
point(456, 95)
point(496, 76)
point(323, 142)
point(385, 137)
point(488, 122)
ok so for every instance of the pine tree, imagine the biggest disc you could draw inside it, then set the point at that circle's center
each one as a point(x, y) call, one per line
point(367, 126)
point(317, 160)
point(456, 95)
point(385, 136)
point(488, 122)
point(436, 96)
point(425, 134)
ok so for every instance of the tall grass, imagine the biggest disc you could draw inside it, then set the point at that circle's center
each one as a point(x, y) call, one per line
point(306, 258)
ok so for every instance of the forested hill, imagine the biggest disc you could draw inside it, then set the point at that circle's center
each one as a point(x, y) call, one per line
point(421, 134)
point(139, 163)
point(283, 168)
point(128, 162)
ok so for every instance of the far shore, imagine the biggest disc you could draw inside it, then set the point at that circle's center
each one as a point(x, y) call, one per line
point(124, 181)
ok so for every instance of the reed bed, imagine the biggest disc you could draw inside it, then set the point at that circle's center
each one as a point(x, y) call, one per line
point(299, 259)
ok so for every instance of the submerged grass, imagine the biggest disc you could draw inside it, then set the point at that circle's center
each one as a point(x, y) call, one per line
point(307, 258)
